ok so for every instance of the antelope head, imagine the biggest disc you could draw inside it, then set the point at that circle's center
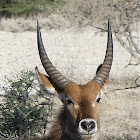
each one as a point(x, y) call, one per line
point(80, 101)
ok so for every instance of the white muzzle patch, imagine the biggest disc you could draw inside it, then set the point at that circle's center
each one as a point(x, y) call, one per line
point(87, 128)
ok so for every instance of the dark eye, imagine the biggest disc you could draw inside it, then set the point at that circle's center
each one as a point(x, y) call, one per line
point(98, 100)
point(69, 101)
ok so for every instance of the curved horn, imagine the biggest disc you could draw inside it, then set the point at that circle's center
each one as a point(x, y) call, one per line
point(103, 73)
point(53, 73)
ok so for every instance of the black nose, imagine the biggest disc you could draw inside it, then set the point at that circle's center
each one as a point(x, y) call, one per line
point(88, 125)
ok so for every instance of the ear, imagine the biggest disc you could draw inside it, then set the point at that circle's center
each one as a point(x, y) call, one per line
point(103, 90)
point(48, 86)
point(45, 83)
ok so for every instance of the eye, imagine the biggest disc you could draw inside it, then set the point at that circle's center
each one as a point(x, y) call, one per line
point(69, 101)
point(98, 100)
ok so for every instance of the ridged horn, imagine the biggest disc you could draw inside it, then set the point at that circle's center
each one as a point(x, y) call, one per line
point(103, 73)
point(53, 73)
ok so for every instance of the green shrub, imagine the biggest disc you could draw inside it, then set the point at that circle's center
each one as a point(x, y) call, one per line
point(21, 113)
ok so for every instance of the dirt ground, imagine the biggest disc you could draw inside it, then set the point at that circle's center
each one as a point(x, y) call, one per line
point(77, 54)
point(120, 114)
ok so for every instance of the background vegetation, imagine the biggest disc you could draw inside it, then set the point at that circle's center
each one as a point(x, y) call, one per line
point(23, 113)
point(60, 14)
point(27, 8)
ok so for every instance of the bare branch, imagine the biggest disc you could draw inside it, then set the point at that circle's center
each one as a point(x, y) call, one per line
point(3, 135)
point(133, 87)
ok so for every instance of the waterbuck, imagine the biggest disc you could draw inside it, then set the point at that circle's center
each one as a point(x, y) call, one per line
point(78, 119)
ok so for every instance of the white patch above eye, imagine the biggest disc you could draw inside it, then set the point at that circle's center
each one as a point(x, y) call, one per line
point(76, 106)
point(73, 102)
point(103, 91)
point(98, 96)
point(93, 104)
point(51, 89)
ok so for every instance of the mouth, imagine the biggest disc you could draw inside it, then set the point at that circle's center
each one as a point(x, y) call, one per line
point(88, 136)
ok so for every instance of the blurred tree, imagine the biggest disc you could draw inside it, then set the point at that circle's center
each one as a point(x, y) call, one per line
point(3, 11)
point(125, 16)
point(27, 7)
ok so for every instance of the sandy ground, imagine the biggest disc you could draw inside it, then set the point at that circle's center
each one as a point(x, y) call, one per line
point(77, 54)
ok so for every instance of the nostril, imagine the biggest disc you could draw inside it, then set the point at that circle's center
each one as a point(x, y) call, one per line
point(92, 124)
point(84, 125)
point(88, 125)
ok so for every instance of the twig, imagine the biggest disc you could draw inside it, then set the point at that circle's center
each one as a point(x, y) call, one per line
point(130, 64)
point(126, 88)
point(3, 135)
point(102, 29)
point(133, 87)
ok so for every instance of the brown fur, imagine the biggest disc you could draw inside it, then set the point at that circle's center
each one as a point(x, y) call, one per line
point(84, 96)
point(45, 80)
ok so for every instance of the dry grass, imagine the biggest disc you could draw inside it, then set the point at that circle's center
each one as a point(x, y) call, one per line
point(54, 21)
point(120, 114)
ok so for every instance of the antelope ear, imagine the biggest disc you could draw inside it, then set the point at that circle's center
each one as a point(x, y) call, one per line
point(45, 83)
point(48, 86)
